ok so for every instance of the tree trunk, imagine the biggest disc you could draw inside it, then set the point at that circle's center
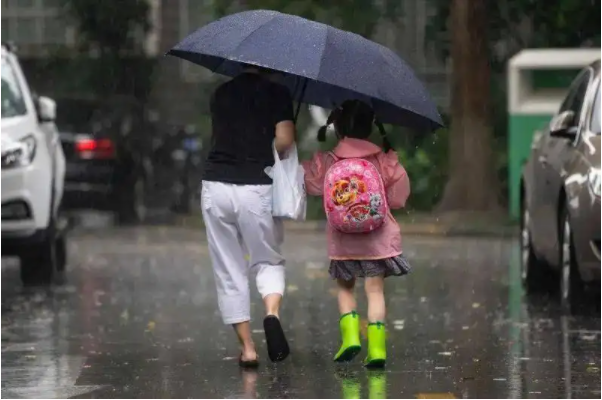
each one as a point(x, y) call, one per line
point(472, 184)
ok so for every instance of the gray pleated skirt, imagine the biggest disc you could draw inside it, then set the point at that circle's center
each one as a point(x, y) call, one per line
point(349, 269)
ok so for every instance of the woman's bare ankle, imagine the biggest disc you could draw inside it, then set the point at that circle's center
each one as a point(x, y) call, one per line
point(248, 353)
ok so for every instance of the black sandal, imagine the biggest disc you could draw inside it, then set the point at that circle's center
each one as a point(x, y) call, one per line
point(278, 348)
point(251, 364)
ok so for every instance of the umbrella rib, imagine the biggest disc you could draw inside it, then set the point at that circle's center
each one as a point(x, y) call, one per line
point(323, 52)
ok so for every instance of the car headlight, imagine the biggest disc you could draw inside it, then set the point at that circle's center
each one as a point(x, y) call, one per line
point(593, 179)
point(20, 154)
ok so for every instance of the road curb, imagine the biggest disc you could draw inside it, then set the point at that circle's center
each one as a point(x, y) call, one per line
point(420, 229)
point(412, 228)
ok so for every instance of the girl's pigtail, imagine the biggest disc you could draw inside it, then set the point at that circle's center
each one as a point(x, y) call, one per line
point(383, 134)
point(334, 114)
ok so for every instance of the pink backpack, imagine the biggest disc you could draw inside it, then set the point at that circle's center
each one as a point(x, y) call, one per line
point(355, 200)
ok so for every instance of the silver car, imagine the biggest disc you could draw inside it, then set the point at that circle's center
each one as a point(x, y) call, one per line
point(560, 194)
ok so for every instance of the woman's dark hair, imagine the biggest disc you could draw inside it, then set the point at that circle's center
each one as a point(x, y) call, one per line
point(354, 119)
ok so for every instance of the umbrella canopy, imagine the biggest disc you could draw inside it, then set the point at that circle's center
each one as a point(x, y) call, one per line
point(322, 65)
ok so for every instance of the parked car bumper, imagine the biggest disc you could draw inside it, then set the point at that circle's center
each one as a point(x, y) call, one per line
point(26, 194)
point(88, 185)
point(88, 196)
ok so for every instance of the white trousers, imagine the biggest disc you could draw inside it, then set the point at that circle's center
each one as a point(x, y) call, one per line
point(239, 224)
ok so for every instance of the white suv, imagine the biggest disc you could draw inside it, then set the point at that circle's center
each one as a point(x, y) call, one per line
point(33, 173)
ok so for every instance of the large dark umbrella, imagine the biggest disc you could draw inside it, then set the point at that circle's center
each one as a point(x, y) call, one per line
point(322, 65)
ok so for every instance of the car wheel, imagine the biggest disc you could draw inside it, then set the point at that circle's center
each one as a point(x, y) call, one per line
point(39, 262)
point(571, 285)
point(42, 263)
point(534, 274)
point(61, 253)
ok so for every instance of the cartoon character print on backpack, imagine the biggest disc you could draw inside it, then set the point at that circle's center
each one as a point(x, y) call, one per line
point(376, 202)
point(355, 199)
point(346, 191)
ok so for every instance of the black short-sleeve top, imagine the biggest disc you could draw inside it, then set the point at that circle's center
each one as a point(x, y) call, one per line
point(244, 114)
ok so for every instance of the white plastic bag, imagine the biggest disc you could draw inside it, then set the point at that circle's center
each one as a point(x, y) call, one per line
point(288, 194)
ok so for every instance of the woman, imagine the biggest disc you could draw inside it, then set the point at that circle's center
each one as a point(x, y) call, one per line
point(248, 113)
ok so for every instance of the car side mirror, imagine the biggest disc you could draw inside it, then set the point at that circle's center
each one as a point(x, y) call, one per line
point(46, 109)
point(562, 125)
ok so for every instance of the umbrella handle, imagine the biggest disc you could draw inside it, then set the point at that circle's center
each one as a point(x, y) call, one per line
point(300, 99)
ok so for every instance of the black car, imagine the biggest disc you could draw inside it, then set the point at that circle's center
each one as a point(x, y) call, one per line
point(104, 153)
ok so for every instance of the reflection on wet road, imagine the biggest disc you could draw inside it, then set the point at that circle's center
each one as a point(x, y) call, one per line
point(138, 318)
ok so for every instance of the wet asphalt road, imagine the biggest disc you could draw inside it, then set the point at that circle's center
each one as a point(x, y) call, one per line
point(137, 319)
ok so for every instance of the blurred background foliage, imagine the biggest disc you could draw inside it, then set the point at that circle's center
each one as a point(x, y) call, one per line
point(109, 30)
point(109, 58)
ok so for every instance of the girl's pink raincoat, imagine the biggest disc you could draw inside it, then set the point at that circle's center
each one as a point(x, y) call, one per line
point(384, 242)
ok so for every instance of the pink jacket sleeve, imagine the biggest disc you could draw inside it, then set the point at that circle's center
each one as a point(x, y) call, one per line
point(315, 169)
point(396, 180)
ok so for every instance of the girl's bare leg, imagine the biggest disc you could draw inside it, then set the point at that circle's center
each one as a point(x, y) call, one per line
point(375, 292)
point(346, 296)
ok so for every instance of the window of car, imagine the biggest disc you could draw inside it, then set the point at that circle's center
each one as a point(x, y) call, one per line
point(595, 121)
point(13, 103)
point(574, 99)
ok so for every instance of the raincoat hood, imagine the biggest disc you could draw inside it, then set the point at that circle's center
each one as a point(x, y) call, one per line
point(355, 148)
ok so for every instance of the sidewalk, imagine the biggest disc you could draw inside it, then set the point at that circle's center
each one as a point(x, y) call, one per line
point(458, 224)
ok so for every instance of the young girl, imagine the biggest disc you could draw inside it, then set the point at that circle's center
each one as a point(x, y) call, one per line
point(364, 240)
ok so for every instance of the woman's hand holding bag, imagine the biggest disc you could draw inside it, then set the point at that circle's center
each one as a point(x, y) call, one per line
point(288, 188)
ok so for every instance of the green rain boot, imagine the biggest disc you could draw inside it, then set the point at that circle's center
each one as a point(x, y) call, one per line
point(350, 333)
point(377, 347)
